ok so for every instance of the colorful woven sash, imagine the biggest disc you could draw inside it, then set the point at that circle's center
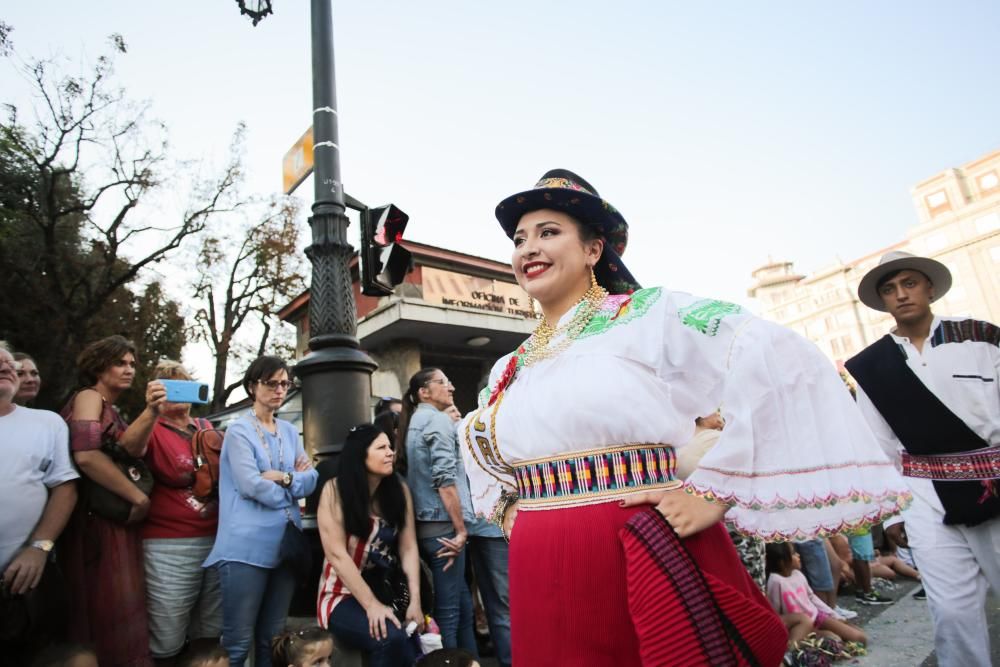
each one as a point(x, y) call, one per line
point(595, 476)
point(979, 464)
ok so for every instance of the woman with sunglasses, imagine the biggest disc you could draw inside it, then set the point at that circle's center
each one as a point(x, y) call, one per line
point(436, 476)
point(263, 472)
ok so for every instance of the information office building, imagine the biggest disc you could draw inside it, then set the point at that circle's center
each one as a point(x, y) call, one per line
point(455, 312)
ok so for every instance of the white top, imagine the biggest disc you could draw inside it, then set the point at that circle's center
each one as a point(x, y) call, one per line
point(963, 373)
point(35, 446)
point(795, 446)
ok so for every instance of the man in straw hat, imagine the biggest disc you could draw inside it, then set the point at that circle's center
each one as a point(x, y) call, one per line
point(930, 390)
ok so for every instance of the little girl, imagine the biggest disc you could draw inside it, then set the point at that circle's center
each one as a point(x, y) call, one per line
point(789, 593)
point(309, 647)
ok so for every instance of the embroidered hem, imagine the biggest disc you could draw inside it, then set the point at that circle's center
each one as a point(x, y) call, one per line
point(745, 514)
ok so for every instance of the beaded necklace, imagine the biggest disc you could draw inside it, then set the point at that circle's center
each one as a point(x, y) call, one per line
point(263, 441)
point(539, 346)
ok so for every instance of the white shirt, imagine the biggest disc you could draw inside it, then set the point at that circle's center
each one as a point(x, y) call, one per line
point(795, 447)
point(35, 457)
point(963, 374)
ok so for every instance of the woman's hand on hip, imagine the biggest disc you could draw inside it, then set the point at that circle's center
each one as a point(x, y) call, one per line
point(686, 512)
point(378, 613)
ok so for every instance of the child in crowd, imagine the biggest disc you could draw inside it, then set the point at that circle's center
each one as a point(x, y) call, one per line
point(448, 657)
point(65, 655)
point(889, 565)
point(789, 593)
point(308, 647)
point(203, 653)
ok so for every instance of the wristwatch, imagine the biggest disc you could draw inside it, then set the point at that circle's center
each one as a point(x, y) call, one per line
point(43, 545)
point(286, 480)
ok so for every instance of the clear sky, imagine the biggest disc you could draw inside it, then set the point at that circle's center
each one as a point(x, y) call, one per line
point(724, 131)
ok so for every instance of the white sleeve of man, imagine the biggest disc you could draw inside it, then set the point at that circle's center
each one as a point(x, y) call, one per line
point(886, 438)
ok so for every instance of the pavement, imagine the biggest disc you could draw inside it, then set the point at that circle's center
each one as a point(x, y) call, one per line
point(899, 635)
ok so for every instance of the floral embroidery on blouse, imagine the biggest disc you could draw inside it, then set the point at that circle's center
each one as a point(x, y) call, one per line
point(621, 309)
point(706, 315)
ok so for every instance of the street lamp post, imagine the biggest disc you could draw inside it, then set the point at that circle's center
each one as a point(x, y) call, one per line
point(336, 374)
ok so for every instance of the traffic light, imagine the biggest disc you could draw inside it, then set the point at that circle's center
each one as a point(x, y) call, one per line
point(384, 262)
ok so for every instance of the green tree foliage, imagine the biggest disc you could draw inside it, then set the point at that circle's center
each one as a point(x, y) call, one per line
point(80, 229)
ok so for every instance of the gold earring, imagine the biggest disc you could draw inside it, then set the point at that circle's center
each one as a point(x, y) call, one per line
point(593, 279)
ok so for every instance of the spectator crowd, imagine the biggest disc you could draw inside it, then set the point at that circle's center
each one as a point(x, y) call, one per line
point(158, 540)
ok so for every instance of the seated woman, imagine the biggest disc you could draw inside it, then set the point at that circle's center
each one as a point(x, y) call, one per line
point(365, 519)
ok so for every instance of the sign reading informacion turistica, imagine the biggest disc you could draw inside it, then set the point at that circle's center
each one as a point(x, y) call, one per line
point(456, 289)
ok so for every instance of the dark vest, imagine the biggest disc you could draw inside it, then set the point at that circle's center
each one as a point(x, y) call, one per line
point(923, 424)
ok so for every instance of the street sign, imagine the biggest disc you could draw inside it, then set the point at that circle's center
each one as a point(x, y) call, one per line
point(297, 163)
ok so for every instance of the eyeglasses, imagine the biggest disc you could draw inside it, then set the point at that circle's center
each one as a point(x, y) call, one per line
point(274, 385)
point(445, 381)
point(12, 365)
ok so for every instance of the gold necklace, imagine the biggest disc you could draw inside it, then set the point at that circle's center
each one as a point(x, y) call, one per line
point(539, 346)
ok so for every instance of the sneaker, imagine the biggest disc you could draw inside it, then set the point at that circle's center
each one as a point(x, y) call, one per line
point(920, 595)
point(845, 614)
point(872, 598)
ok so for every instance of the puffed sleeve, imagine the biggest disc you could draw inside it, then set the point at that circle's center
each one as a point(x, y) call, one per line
point(796, 458)
point(488, 477)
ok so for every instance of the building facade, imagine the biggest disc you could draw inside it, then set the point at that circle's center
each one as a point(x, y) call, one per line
point(958, 224)
point(454, 311)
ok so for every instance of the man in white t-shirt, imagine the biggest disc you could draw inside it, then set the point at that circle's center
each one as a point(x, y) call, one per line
point(37, 484)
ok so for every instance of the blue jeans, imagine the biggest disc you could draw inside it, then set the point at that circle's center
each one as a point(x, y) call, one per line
point(349, 626)
point(452, 599)
point(815, 564)
point(489, 561)
point(254, 608)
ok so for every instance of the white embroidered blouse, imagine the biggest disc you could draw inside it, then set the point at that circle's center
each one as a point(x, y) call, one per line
point(795, 460)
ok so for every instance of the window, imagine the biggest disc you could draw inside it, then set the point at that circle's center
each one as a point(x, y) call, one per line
point(987, 223)
point(988, 182)
point(937, 199)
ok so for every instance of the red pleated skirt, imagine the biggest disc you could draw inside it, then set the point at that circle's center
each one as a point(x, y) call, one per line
point(585, 589)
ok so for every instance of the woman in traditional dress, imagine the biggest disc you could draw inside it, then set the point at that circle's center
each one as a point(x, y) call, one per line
point(573, 441)
point(103, 558)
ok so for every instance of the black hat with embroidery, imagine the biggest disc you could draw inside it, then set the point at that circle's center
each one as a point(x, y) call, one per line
point(562, 190)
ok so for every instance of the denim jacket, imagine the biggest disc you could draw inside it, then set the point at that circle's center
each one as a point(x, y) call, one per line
point(434, 461)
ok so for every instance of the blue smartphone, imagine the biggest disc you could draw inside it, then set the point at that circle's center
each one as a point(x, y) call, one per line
point(185, 391)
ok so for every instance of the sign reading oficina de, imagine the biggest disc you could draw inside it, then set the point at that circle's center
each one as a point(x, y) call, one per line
point(456, 289)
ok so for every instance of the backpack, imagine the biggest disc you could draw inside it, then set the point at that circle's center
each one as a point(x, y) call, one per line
point(206, 448)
